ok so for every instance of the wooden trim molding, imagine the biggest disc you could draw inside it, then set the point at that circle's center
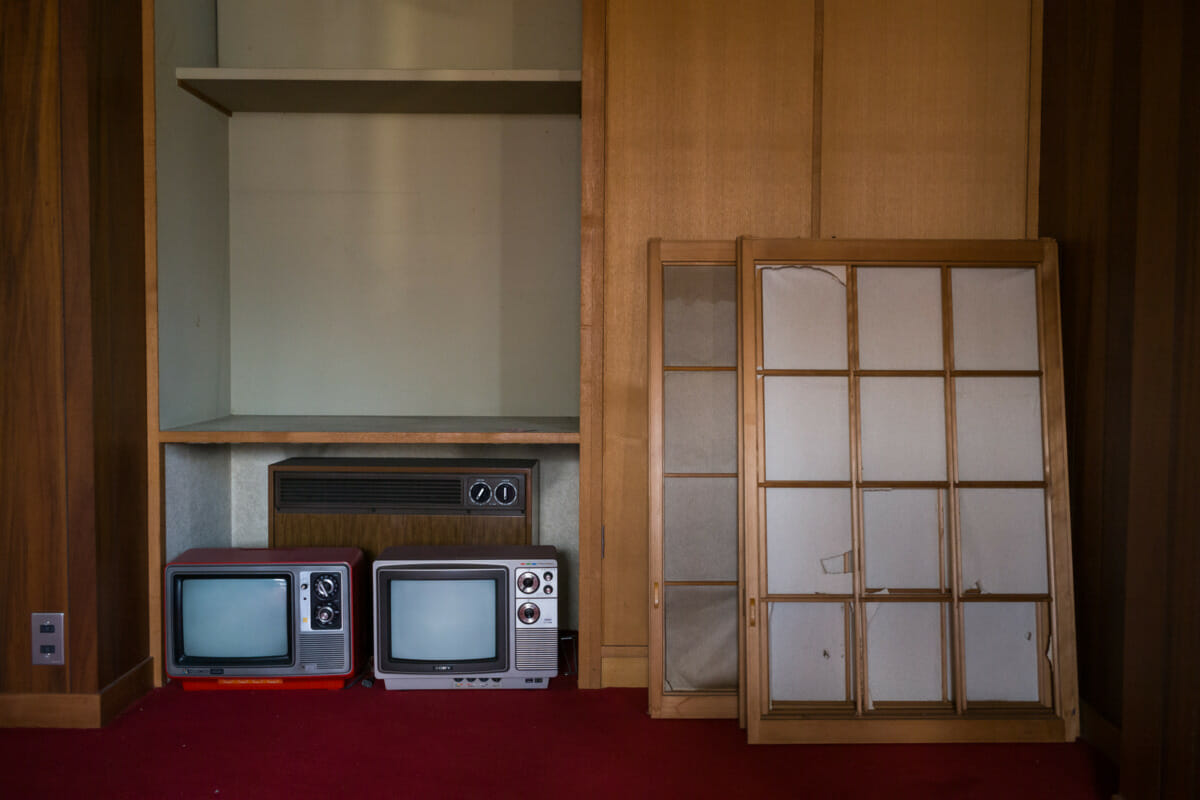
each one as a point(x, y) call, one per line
point(76, 710)
point(591, 343)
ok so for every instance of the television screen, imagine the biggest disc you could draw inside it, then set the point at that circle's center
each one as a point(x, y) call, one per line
point(443, 620)
point(234, 618)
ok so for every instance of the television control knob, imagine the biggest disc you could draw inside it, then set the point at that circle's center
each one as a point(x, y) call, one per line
point(548, 589)
point(527, 582)
point(506, 493)
point(529, 613)
point(479, 492)
point(325, 586)
point(325, 614)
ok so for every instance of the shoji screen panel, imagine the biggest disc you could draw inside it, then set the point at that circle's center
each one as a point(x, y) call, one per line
point(907, 546)
point(694, 488)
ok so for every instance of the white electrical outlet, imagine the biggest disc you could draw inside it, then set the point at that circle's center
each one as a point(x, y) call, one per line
point(47, 636)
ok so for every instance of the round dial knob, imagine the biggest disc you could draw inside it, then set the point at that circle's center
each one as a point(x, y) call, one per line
point(479, 492)
point(325, 586)
point(325, 614)
point(527, 582)
point(506, 493)
point(529, 613)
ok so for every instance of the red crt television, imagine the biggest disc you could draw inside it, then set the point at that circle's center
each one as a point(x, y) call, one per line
point(262, 618)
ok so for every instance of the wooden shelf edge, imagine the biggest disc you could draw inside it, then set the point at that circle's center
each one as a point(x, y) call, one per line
point(375, 430)
point(385, 91)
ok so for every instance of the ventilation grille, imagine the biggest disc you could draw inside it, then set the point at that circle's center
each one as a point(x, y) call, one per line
point(325, 651)
point(318, 492)
point(537, 648)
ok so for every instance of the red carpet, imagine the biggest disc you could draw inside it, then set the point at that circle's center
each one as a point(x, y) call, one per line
point(556, 743)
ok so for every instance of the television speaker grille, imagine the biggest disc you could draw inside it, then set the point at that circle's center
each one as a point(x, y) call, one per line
point(326, 652)
point(537, 648)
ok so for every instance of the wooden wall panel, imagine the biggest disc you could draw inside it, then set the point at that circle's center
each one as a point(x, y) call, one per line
point(1121, 191)
point(708, 136)
point(1088, 200)
point(32, 429)
point(118, 301)
point(925, 119)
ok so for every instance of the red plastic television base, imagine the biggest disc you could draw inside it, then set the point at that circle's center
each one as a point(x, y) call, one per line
point(234, 684)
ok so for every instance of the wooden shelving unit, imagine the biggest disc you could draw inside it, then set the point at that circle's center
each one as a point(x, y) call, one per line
point(386, 91)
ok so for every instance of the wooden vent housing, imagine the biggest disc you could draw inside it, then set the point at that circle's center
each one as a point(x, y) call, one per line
point(375, 503)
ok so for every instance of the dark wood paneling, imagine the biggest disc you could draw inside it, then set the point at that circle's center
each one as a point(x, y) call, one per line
point(32, 437)
point(118, 303)
point(1121, 191)
point(1088, 195)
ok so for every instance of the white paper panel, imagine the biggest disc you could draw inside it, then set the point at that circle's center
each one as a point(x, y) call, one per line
point(807, 428)
point(700, 529)
point(807, 651)
point(699, 316)
point(905, 655)
point(701, 647)
point(1003, 534)
point(804, 317)
point(900, 533)
point(899, 318)
point(999, 429)
point(700, 422)
point(995, 318)
point(808, 535)
point(1001, 646)
point(903, 429)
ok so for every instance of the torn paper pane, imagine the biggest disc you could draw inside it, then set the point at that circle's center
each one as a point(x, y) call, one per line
point(900, 534)
point(1001, 649)
point(808, 533)
point(1003, 534)
point(906, 654)
point(808, 651)
point(804, 317)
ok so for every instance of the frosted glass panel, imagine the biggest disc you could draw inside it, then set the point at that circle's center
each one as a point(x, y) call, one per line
point(809, 541)
point(905, 651)
point(1001, 646)
point(999, 429)
point(995, 318)
point(700, 422)
point(903, 429)
point(808, 651)
point(900, 533)
point(1003, 534)
point(899, 318)
point(807, 428)
point(700, 316)
point(804, 317)
point(701, 647)
point(700, 528)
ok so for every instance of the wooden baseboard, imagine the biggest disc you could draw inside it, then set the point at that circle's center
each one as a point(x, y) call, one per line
point(76, 710)
point(624, 672)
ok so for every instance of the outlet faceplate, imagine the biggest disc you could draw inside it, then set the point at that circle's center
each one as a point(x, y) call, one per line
point(47, 637)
